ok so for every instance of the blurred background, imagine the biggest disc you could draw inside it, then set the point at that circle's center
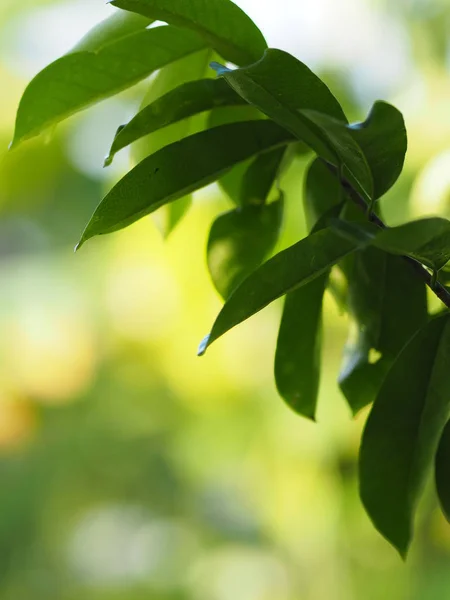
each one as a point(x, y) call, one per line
point(130, 468)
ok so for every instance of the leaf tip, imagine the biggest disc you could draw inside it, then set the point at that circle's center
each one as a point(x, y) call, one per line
point(203, 345)
point(219, 69)
point(108, 160)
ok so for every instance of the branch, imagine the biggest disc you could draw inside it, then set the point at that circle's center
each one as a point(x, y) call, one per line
point(437, 288)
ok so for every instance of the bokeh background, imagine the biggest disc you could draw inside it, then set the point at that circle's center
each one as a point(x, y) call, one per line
point(130, 469)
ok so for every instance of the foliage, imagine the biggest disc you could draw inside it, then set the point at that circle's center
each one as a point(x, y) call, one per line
point(399, 358)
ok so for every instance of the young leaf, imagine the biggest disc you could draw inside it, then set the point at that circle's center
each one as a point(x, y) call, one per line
point(223, 25)
point(442, 471)
point(285, 272)
point(426, 240)
point(289, 93)
point(403, 431)
point(80, 79)
point(179, 169)
point(185, 101)
point(239, 241)
point(383, 140)
point(299, 345)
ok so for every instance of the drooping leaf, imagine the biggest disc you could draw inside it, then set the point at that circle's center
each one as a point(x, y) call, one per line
point(80, 79)
point(289, 93)
point(239, 241)
point(184, 101)
point(285, 272)
point(426, 240)
point(382, 137)
point(403, 431)
point(115, 27)
point(173, 75)
point(321, 192)
point(299, 345)
point(442, 471)
point(180, 169)
point(259, 178)
point(223, 25)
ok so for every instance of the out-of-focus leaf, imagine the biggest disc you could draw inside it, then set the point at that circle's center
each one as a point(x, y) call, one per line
point(223, 25)
point(378, 284)
point(259, 178)
point(184, 101)
point(321, 192)
point(285, 272)
point(288, 92)
point(239, 241)
point(173, 75)
point(382, 137)
point(403, 431)
point(180, 169)
point(299, 345)
point(426, 240)
point(80, 79)
point(442, 471)
point(118, 25)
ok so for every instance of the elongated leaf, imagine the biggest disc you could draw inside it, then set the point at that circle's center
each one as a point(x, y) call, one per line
point(115, 27)
point(80, 79)
point(239, 241)
point(288, 92)
point(259, 178)
point(442, 473)
point(179, 169)
point(177, 73)
point(285, 272)
point(299, 345)
point(426, 240)
point(223, 25)
point(321, 192)
point(403, 431)
point(383, 140)
point(184, 101)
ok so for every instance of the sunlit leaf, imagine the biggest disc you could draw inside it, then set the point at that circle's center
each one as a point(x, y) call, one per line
point(180, 169)
point(403, 431)
point(80, 79)
point(223, 25)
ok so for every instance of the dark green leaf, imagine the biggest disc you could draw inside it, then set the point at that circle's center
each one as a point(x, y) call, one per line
point(184, 101)
point(80, 79)
point(321, 192)
point(426, 240)
point(259, 178)
point(382, 137)
point(223, 25)
point(180, 169)
point(443, 471)
point(403, 431)
point(239, 241)
point(285, 272)
point(298, 354)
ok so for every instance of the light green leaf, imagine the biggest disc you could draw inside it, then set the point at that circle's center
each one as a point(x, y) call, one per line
point(223, 25)
point(180, 169)
point(299, 345)
point(403, 431)
point(442, 471)
point(80, 79)
point(285, 272)
point(426, 240)
point(239, 241)
point(184, 101)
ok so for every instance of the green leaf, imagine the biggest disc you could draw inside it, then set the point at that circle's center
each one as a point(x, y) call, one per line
point(378, 284)
point(239, 241)
point(426, 240)
point(180, 169)
point(383, 140)
point(115, 27)
point(285, 272)
point(80, 79)
point(321, 192)
point(185, 101)
point(168, 78)
point(259, 178)
point(403, 431)
point(442, 471)
point(223, 25)
point(289, 93)
point(299, 345)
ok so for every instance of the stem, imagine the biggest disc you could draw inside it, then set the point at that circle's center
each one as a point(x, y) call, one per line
point(437, 288)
